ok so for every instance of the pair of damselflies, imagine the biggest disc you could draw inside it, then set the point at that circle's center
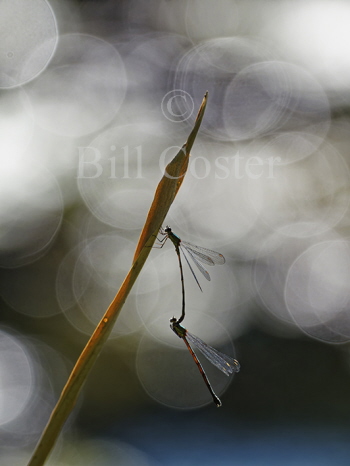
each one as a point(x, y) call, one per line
point(199, 256)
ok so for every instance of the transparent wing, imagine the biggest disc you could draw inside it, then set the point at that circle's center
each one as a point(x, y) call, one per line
point(192, 269)
point(204, 255)
point(199, 266)
point(223, 362)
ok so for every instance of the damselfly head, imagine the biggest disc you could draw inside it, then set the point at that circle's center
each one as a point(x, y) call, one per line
point(172, 321)
point(167, 229)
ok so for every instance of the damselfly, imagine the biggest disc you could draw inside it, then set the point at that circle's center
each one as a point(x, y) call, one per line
point(223, 362)
point(199, 256)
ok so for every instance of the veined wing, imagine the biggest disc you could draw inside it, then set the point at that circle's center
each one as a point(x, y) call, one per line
point(193, 257)
point(204, 272)
point(204, 255)
point(223, 362)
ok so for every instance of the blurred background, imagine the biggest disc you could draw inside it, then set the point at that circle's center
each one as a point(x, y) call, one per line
point(95, 99)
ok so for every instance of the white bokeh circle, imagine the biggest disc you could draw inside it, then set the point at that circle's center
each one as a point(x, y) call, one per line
point(317, 292)
point(28, 39)
point(82, 90)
